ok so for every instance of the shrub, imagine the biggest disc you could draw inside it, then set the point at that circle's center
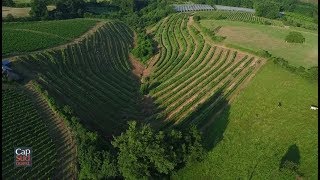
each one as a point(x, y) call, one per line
point(196, 18)
point(10, 17)
point(295, 37)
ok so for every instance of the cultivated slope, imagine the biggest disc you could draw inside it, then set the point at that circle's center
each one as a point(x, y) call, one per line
point(92, 75)
point(192, 77)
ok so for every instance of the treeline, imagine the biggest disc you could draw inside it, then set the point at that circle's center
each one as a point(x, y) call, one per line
point(310, 73)
point(138, 153)
point(139, 15)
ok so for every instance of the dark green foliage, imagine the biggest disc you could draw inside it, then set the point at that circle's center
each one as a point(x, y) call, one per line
point(236, 3)
point(125, 5)
point(145, 153)
point(9, 3)
point(145, 47)
point(196, 18)
point(39, 9)
point(267, 9)
point(144, 88)
point(311, 73)
point(10, 17)
point(67, 109)
point(295, 37)
point(298, 20)
point(68, 9)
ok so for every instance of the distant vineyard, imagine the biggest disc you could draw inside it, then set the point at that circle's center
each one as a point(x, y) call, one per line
point(193, 78)
point(238, 16)
point(93, 77)
point(30, 36)
point(22, 126)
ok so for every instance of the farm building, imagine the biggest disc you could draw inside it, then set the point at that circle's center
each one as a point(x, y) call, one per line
point(192, 7)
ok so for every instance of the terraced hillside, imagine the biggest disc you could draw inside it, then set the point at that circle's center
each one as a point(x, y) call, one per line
point(92, 75)
point(193, 78)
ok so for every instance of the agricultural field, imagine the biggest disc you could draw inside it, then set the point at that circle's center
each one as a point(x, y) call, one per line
point(237, 16)
point(19, 12)
point(257, 37)
point(93, 76)
point(23, 126)
point(21, 37)
point(83, 82)
point(192, 78)
point(251, 138)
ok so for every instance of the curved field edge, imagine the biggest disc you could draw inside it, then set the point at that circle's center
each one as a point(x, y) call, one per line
point(27, 122)
point(258, 37)
point(257, 134)
point(26, 37)
point(192, 76)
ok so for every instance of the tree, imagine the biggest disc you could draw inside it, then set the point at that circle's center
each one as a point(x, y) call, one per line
point(9, 3)
point(295, 37)
point(68, 9)
point(38, 8)
point(267, 9)
point(143, 152)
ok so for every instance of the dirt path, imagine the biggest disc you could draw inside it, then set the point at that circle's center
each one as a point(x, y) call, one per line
point(13, 57)
point(66, 167)
point(138, 67)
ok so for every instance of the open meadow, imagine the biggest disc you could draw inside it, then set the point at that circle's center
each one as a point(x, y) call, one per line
point(271, 38)
point(254, 134)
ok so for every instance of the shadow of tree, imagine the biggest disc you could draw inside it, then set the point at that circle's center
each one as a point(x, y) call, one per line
point(211, 117)
point(291, 160)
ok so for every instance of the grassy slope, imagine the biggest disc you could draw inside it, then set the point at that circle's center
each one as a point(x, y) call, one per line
point(255, 37)
point(31, 36)
point(259, 132)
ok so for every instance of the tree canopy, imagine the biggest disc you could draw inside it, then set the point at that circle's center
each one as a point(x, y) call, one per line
point(267, 9)
point(39, 8)
point(143, 152)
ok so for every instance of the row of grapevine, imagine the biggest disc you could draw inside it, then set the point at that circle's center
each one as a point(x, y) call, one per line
point(23, 126)
point(93, 76)
point(196, 77)
point(238, 16)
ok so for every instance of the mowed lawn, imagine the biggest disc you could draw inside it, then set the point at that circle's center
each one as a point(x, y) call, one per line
point(30, 36)
point(270, 38)
point(259, 133)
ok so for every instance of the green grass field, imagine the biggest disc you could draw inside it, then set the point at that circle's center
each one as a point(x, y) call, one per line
point(270, 38)
point(258, 133)
point(31, 36)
